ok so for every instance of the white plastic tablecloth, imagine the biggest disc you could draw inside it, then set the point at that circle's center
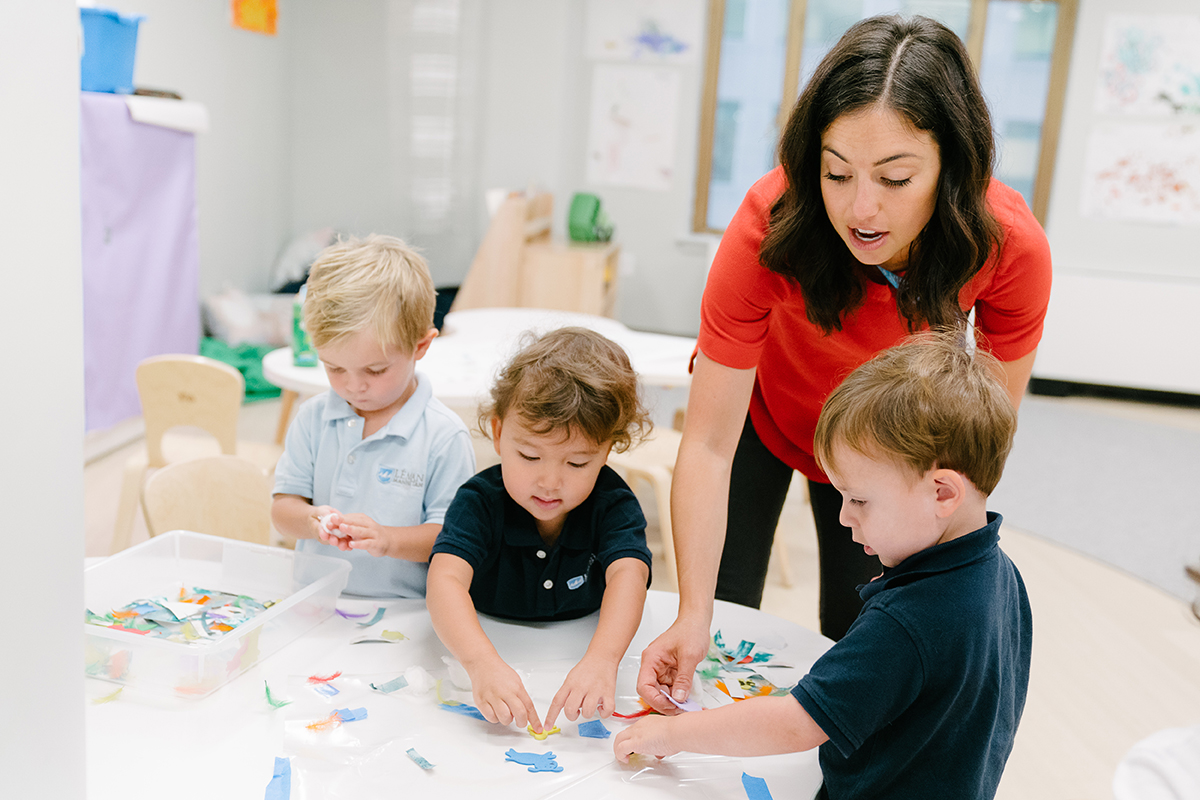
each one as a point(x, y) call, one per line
point(142, 746)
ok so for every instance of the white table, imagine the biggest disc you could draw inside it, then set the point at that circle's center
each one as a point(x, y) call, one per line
point(143, 747)
point(462, 362)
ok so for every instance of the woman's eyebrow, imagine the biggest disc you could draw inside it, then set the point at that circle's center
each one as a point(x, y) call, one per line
point(878, 163)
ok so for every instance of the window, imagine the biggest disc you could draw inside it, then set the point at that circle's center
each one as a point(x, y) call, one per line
point(761, 52)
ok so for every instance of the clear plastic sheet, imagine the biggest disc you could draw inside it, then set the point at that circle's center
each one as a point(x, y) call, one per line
point(367, 758)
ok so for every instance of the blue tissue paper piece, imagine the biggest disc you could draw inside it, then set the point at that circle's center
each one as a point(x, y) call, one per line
point(394, 685)
point(465, 710)
point(378, 616)
point(326, 689)
point(280, 787)
point(756, 788)
point(594, 729)
point(537, 762)
point(351, 714)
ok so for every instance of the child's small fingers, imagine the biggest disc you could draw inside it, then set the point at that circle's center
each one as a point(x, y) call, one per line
point(556, 707)
point(495, 712)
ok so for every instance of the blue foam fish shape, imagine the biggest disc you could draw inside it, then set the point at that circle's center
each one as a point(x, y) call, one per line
point(537, 762)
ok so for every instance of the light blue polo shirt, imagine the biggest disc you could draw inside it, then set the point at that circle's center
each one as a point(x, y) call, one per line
point(404, 474)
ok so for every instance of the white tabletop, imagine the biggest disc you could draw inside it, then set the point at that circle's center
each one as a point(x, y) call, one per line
point(142, 746)
point(462, 361)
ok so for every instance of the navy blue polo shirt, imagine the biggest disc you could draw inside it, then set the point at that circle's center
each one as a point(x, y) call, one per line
point(516, 575)
point(922, 697)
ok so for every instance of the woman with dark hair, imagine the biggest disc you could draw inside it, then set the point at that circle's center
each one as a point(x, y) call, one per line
point(882, 218)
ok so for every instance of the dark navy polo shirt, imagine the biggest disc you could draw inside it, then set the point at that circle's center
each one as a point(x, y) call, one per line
point(922, 697)
point(516, 575)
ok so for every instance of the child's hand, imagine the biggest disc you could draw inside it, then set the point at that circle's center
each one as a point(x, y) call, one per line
point(649, 736)
point(589, 687)
point(501, 697)
point(364, 533)
point(326, 520)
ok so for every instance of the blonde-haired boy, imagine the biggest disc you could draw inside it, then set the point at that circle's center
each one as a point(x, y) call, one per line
point(922, 697)
point(370, 466)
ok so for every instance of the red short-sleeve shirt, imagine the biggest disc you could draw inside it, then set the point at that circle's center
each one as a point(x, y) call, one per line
point(752, 317)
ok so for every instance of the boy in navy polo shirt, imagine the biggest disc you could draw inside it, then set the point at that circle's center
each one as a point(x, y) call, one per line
point(922, 697)
point(370, 467)
point(551, 533)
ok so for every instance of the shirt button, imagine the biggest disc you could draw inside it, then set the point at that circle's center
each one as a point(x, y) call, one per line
point(350, 459)
point(542, 554)
point(549, 584)
point(350, 423)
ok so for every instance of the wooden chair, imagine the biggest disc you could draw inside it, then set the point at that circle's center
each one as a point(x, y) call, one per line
point(191, 391)
point(653, 461)
point(220, 495)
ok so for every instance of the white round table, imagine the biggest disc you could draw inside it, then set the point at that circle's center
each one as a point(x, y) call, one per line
point(144, 747)
point(462, 362)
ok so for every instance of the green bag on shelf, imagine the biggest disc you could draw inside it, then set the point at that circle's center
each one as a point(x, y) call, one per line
point(246, 359)
point(587, 221)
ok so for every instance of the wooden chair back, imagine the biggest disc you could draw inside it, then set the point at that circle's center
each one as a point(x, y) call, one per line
point(219, 495)
point(189, 390)
point(494, 279)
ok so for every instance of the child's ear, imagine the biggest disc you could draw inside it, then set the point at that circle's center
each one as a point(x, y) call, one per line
point(423, 345)
point(950, 489)
point(496, 434)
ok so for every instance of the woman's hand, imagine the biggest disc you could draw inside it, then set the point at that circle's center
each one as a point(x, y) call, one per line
point(669, 664)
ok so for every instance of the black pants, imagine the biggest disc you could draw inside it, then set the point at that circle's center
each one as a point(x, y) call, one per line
point(758, 486)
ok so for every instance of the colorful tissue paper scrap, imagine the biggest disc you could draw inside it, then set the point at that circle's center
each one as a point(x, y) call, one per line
point(280, 786)
point(351, 714)
point(378, 616)
point(463, 709)
point(197, 616)
point(756, 788)
point(594, 729)
point(394, 685)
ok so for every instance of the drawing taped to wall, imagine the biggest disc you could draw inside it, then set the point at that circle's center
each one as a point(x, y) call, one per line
point(659, 31)
point(631, 140)
point(1143, 173)
point(1150, 64)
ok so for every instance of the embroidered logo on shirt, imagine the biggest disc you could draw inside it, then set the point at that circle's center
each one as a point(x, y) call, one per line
point(400, 477)
point(577, 581)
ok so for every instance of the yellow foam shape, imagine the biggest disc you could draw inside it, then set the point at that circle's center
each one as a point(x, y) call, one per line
point(541, 737)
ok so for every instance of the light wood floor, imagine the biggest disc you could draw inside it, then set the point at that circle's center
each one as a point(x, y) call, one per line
point(1114, 659)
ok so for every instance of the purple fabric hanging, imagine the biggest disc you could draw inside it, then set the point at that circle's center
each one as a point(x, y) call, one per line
point(141, 255)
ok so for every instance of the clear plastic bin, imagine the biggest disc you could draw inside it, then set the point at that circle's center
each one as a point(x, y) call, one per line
point(305, 586)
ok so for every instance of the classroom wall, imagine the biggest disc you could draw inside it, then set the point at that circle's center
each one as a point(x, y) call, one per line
point(378, 145)
point(42, 754)
point(1125, 293)
point(314, 127)
point(243, 160)
point(539, 86)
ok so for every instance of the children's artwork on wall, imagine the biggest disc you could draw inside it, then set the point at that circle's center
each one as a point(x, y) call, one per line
point(257, 16)
point(1150, 65)
point(631, 137)
point(664, 31)
point(1143, 172)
